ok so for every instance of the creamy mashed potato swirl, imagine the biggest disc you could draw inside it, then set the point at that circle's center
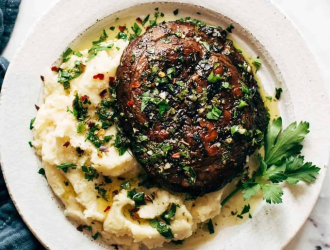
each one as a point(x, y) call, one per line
point(91, 186)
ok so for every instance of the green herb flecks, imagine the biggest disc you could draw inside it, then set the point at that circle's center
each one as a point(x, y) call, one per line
point(121, 143)
point(42, 172)
point(246, 209)
point(66, 53)
point(137, 197)
point(190, 172)
point(90, 173)
point(79, 109)
point(168, 215)
point(125, 185)
point(230, 28)
point(103, 37)
point(65, 76)
point(66, 166)
point(214, 114)
point(278, 92)
point(213, 78)
point(31, 123)
point(257, 63)
point(145, 20)
point(162, 228)
point(210, 226)
point(175, 12)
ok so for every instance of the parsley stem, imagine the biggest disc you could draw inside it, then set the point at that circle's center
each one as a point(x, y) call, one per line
point(236, 190)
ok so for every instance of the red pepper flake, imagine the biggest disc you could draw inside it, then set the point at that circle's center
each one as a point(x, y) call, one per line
point(37, 107)
point(54, 68)
point(135, 210)
point(122, 28)
point(130, 103)
point(139, 20)
point(152, 85)
point(42, 78)
point(66, 144)
point(147, 28)
point(175, 80)
point(148, 198)
point(84, 98)
point(107, 209)
point(135, 85)
point(99, 76)
point(176, 155)
point(103, 93)
point(111, 81)
point(91, 124)
point(80, 228)
point(115, 192)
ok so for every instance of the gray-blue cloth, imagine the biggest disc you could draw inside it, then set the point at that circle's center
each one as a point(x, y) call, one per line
point(14, 235)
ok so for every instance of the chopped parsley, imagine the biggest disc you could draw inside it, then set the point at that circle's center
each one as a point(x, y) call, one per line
point(213, 78)
point(257, 63)
point(230, 28)
point(42, 172)
point(125, 185)
point(121, 143)
point(31, 123)
point(278, 93)
point(145, 20)
point(65, 76)
point(30, 143)
point(242, 104)
point(246, 209)
point(66, 53)
point(136, 29)
point(79, 110)
point(77, 53)
point(95, 236)
point(103, 37)
point(207, 47)
point(162, 228)
point(214, 114)
point(112, 28)
point(210, 226)
point(190, 172)
point(175, 12)
point(65, 166)
point(167, 216)
point(137, 197)
point(90, 173)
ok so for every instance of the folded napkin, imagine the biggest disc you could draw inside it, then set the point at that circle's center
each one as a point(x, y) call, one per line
point(14, 235)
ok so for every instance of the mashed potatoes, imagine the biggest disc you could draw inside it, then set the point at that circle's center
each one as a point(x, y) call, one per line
point(96, 181)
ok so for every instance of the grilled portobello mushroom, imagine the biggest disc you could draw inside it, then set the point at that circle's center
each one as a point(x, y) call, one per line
point(190, 106)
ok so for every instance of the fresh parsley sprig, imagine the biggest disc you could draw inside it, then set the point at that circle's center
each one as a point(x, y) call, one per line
point(282, 162)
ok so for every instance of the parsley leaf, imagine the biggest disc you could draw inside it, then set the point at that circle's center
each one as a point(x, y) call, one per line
point(272, 193)
point(284, 144)
point(281, 162)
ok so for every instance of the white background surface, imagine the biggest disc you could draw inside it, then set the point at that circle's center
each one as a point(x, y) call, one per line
point(312, 18)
